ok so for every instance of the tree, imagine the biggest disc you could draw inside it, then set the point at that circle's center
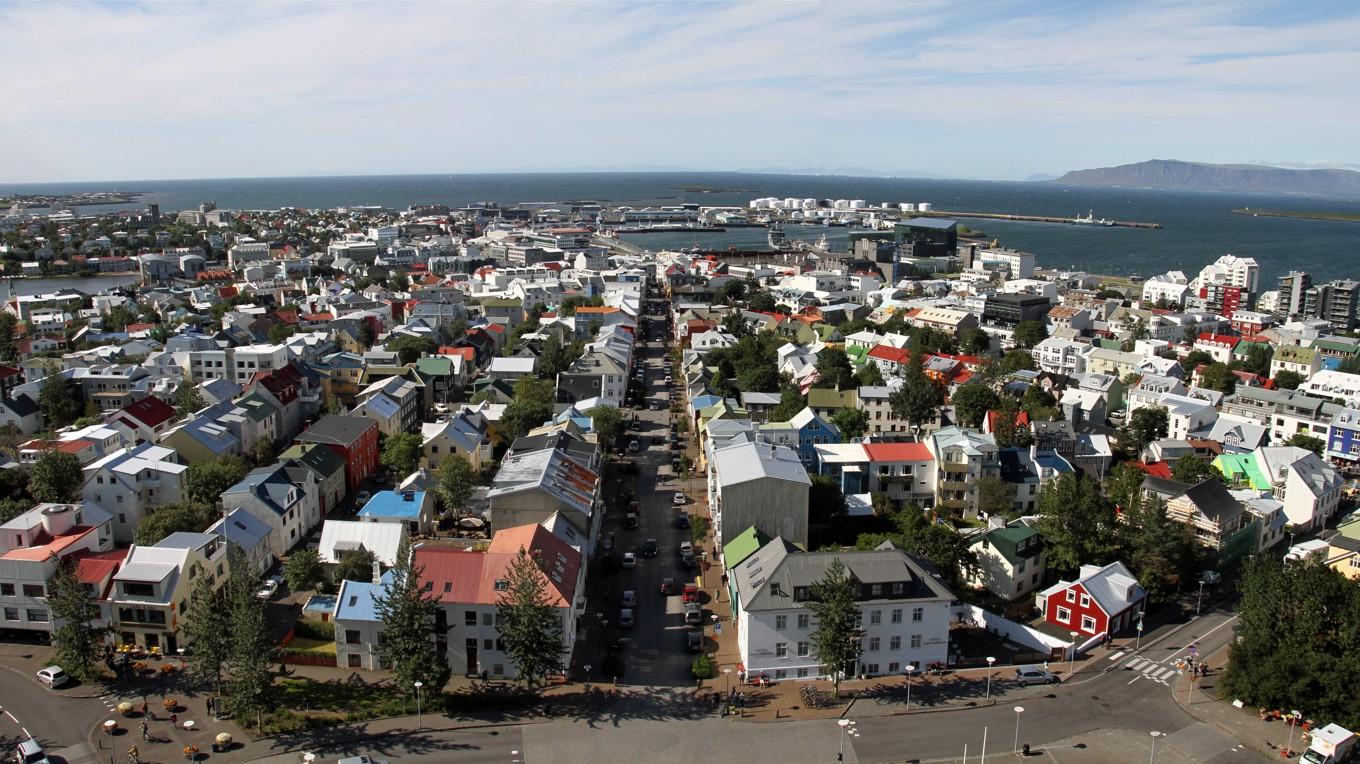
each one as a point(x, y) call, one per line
point(607, 421)
point(55, 477)
point(1030, 333)
point(251, 682)
point(303, 570)
point(833, 369)
point(187, 398)
point(1078, 522)
point(59, 405)
point(731, 291)
point(851, 422)
point(408, 616)
point(189, 517)
point(826, 502)
point(790, 403)
point(401, 453)
point(75, 615)
point(1125, 485)
point(973, 341)
point(456, 482)
point(919, 397)
point(530, 407)
point(869, 375)
point(1017, 360)
point(835, 610)
point(972, 402)
point(734, 323)
point(1145, 425)
point(1163, 553)
point(207, 629)
point(1288, 380)
point(204, 483)
point(569, 305)
point(1349, 365)
point(411, 349)
point(1007, 429)
point(355, 565)
point(1316, 445)
point(279, 333)
point(1192, 470)
point(367, 334)
point(996, 497)
point(528, 623)
point(762, 302)
point(1256, 360)
point(1217, 376)
point(8, 323)
point(1040, 405)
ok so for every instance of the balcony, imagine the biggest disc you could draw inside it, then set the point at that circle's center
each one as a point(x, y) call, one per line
point(954, 467)
point(954, 485)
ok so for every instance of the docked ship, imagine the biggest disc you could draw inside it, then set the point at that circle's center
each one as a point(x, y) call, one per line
point(776, 237)
point(1091, 219)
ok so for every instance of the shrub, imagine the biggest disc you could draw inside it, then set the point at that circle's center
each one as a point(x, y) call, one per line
point(324, 630)
point(702, 668)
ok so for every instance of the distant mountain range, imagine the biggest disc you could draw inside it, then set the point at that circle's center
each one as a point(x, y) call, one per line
point(1171, 173)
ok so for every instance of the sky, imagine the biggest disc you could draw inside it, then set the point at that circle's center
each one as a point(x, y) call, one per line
point(999, 90)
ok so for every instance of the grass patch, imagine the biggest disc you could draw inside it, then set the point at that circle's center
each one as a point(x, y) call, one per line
point(309, 646)
point(303, 704)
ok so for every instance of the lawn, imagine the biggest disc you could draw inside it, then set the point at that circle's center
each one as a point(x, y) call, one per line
point(307, 704)
point(308, 646)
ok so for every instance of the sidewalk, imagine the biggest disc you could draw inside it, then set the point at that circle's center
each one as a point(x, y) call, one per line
point(1242, 724)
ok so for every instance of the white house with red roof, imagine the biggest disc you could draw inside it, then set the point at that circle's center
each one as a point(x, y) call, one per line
point(143, 421)
point(1103, 600)
point(904, 471)
point(1218, 346)
point(889, 360)
point(34, 543)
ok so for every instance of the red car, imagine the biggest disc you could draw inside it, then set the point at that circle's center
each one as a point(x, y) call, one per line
point(691, 593)
point(668, 586)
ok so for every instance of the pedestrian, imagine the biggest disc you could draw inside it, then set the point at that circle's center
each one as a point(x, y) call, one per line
point(145, 733)
point(174, 719)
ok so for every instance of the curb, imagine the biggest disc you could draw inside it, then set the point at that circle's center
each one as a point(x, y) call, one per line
point(397, 732)
point(905, 712)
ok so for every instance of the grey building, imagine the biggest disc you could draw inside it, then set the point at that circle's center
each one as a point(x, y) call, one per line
point(762, 486)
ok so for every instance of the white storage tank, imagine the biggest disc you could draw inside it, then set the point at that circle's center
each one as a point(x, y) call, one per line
point(58, 519)
point(925, 207)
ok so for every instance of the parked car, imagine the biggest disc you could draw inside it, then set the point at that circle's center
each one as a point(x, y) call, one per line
point(267, 590)
point(682, 520)
point(1034, 675)
point(634, 446)
point(693, 613)
point(686, 547)
point(626, 618)
point(687, 559)
point(630, 519)
point(649, 548)
point(629, 560)
point(679, 498)
point(690, 593)
point(53, 676)
point(629, 599)
point(694, 641)
point(30, 752)
point(668, 586)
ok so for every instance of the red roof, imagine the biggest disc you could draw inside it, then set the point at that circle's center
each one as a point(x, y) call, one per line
point(558, 561)
point(8, 371)
point(1021, 419)
point(150, 411)
point(140, 327)
point(1155, 469)
point(898, 452)
point(45, 546)
point(227, 292)
point(318, 317)
point(283, 383)
point(468, 354)
point(1220, 339)
point(287, 316)
point(97, 567)
point(889, 353)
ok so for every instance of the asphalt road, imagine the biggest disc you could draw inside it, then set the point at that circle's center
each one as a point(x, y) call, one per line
point(502, 745)
point(655, 653)
point(32, 710)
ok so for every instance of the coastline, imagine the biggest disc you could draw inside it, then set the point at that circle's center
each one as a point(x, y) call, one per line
point(1333, 217)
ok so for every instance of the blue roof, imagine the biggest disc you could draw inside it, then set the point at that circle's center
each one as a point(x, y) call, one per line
point(241, 528)
point(393, 504)
point(701, 402)
point(357, 600)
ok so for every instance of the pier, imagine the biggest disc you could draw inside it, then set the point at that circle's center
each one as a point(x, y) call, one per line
point(1037, 219)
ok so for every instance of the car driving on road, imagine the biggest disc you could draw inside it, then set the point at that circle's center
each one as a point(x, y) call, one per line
point(53, 676)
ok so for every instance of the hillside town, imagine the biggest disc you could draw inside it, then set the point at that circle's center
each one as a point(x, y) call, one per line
point(459, 448)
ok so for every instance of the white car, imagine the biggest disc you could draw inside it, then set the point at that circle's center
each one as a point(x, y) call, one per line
point(1032, 675)
point(266, 592)
point(679, 498)
point(686, 547)
point(53, 676)
point(629, 560)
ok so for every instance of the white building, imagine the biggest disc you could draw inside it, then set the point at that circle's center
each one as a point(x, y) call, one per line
point(904, 611)
point(131, 482)
point(33, 544)
point(151, 591)
point(1230, 270)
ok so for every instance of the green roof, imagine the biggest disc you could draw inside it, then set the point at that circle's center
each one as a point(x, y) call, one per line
point(1006, 540)
point(501, 302)
point(826, 398)
point(1350, 528)
point(317, 456)
point(1337, 344)
point(435, 365)
point(1242, 468)
point(1109, 344)
point(257, 406)
point(744, 545)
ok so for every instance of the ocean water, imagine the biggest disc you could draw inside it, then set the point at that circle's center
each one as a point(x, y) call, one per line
point(1197, 227)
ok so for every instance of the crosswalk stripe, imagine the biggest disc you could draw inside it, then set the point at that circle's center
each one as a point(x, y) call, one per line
point(1163, 674)
point(1118, 655)
point(1137, 663)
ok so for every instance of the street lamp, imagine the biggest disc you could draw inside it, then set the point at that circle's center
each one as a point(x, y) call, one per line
point(1153, 758)
point(419, 684)
point(1199, 598)
point(727, 673)
point(910, 668)
point(1015, 747)
point(587, 668)
point(845, 725)
point(1289, 749)
point(990, 661)
point(1072, 656)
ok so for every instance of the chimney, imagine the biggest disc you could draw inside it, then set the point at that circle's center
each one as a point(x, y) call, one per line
point(377, 572)
point(408, 495)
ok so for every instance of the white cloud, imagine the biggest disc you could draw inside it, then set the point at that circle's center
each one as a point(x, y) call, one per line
point(182, 90)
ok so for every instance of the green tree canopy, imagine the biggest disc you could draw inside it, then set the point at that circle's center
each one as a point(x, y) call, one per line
point(607, 421)
point(187, 398)
point(835, 611)
point(1288, 380)
point(189, 517)
point(528, 623)
point(1217, 376)
point(1145, 425)
point(972, 402)
point(1316, 445)
point(790, 403)
point(1191, 469)
point(408, 616)
point(251, 683)
point(410, 349)
point(1030, 333)
point(303, 569)
point(918, 399)
point(355, 565)
point(851, 422)
point(456, 482)
point(401, 453)
point(1079, 523)
point(204, 483)
point(55, 476)
point(530, 407)
point(207, 629)
point(75, 619)
point(56, 400)
point(833, 369)
point(869, 375)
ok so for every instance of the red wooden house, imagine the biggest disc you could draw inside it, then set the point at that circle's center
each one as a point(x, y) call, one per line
point(1102, 600)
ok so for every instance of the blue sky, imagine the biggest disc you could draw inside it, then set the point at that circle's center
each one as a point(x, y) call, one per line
point(974, 90)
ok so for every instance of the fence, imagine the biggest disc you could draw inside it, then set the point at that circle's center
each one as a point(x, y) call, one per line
point(1047, 646)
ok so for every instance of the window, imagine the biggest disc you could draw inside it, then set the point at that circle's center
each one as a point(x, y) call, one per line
point(915, 641)
point(918, 614)
point(800, 593)
point(875, 617)
point(781, 649)
point(898, 588)
point(354, 660)
point(470, 617)
point(1021, 567)
point(897, 615)
point(134, 589)
point(488, 619)
point(1071, 595)
point(1064, 615)
point(498, 669)
point(488, 644)
point(1085, 600)
point(802, 649)
point(872, 668)
point(11, 614)
point(351, 636)
point(873, 644)
point(1020, 586)
point(781, 674)
point(876, 590)
point(781, 622)
point(804, 620)
point(36, 615)
point(1088, 623)
point(895, 642)
point(802, 673)
point(7, 590)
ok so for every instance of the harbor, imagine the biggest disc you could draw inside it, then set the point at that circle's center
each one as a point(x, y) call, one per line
point(1087, 220)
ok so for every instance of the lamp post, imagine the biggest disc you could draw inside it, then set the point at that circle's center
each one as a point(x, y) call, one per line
point(1199, 598)
point(910, 668)
point(1289, 749)
point(1072, 657)
point(587, 668)
point(727, 677)
point(1153, 758)
point(1015, 748)
point(990, 661)
point(845, 725)
point(419, 684)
